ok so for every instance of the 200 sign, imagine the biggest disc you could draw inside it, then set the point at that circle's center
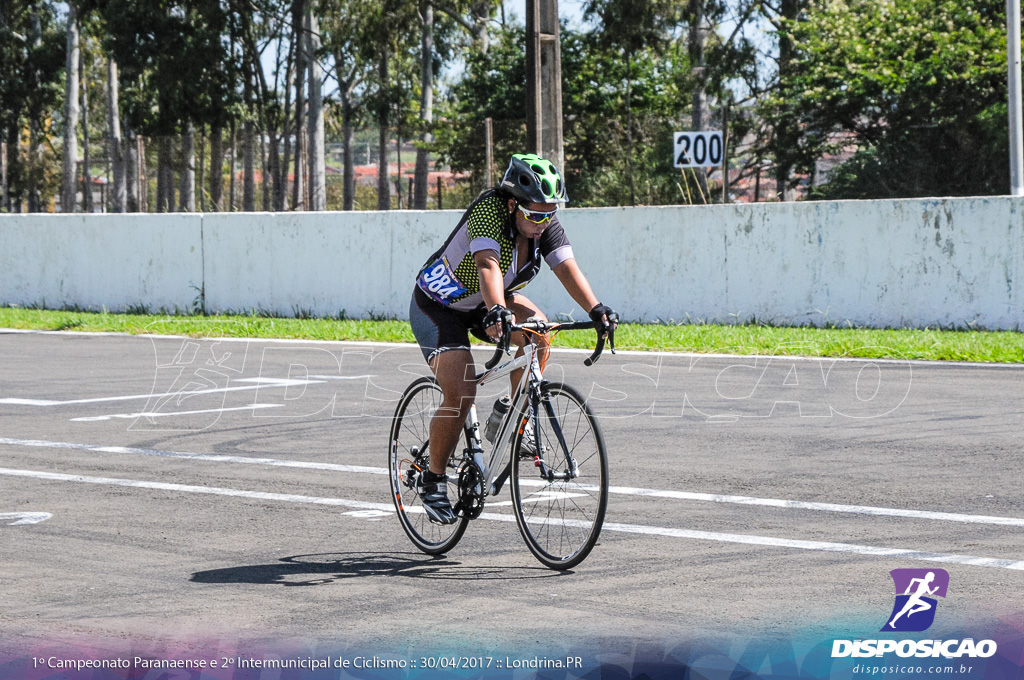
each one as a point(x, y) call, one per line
point(699, 149)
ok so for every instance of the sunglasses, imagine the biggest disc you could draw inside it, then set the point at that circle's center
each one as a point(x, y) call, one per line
point(536, 217)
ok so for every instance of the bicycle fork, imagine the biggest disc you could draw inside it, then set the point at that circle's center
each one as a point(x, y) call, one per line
point(572, 468)
point(539, 409)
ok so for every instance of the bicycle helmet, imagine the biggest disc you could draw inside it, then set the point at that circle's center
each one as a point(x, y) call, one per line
point(531, 179)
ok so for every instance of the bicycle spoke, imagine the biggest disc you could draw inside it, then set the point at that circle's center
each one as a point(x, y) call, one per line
point(409, 452)
point(561, 519)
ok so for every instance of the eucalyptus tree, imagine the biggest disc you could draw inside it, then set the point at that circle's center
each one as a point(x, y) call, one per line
point(119, 185)
point(388, 38)
point(426, 112)
point(438, 39)
point(474, 16)
point(341, 33)
point(32, 49)
point(175, 66)
point(69, 153)
point(317, 162)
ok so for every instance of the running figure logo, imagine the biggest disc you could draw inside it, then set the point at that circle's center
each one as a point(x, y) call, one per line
point(915, 605)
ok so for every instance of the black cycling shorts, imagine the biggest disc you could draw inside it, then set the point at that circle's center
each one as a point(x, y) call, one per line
point(438, 328)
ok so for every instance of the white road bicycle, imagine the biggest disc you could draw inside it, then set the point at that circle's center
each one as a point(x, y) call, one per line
point(559, 488)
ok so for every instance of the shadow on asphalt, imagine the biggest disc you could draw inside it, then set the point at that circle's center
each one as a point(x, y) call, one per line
point(316, 570)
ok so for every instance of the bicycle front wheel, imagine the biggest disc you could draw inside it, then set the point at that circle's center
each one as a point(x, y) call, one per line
point(409, 452)
point(560, 478)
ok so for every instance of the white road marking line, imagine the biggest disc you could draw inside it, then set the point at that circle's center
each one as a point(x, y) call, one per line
point(260, 383)
point(624, 490)
point(1017, 565)
point(190, 488)
point(161, 414)
point(218, 458)
point(18, 518)
point(373, 510)
point(821, 507)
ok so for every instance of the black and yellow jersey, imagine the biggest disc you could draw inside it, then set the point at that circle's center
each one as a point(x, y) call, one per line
point(449, 276)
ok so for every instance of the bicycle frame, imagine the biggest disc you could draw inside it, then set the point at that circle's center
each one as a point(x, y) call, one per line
point(498, 460)
point(559, 513)
point(495, 471)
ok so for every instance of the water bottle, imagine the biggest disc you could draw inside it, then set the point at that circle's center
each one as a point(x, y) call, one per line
point(497, 413)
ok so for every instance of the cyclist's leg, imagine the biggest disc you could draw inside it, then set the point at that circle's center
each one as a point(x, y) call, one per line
point(454, 370)
point(443, 336)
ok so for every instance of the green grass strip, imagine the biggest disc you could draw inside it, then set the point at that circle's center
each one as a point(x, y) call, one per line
point(925, 344)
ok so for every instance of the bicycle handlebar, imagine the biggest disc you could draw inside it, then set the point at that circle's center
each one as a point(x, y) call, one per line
point(543, 327)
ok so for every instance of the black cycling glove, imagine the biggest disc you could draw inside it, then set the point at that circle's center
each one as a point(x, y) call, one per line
point(598, 315)
point(497, 315)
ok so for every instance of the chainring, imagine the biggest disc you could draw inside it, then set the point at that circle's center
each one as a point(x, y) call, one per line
point(471, 490)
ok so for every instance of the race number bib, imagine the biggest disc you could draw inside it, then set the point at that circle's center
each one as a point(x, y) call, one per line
point(439, 282)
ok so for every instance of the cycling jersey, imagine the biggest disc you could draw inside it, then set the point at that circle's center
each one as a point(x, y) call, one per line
point(449, 277)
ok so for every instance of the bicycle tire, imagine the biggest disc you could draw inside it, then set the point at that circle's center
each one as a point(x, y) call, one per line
point(408, 449)
point(561, 519)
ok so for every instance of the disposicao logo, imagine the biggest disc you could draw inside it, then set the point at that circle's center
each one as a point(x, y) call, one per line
point(916, 590)
point(912, 612)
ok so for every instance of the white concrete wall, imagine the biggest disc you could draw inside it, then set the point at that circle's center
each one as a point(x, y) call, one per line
point(94, 261)
point(945, 262)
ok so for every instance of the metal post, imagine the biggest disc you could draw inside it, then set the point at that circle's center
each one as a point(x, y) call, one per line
point(1014, 86)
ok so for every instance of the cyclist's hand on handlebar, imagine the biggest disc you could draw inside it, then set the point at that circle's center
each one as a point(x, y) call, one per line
point(497, 320)
point(605, 319)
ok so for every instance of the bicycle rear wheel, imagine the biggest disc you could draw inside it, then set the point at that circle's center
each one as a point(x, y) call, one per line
point(408, 453)
point(560, 515)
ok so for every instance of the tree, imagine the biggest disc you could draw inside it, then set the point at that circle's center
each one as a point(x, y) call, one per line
point(317, 168)
point(620, 142)
point(437, 31)
point(426, 114)
point(616, 158)
point(175, 65)
point(783, 132)
point(389, 39)
point(32, 49)
point(69, 172)
point(493, 86)
point(119, 189)
point(917, 87)
point(341, 28)
point(626, 28)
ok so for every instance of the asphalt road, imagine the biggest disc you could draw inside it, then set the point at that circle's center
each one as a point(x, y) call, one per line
point(185, 494)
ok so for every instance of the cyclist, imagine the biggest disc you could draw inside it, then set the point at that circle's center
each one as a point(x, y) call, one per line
point(471, 284)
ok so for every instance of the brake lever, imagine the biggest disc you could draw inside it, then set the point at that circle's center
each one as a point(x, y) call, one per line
point(506, 335)
point(502, 345)
point(592, 359)
point(599, 348)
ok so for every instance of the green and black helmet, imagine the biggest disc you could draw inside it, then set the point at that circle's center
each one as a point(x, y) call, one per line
point(531, 179)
